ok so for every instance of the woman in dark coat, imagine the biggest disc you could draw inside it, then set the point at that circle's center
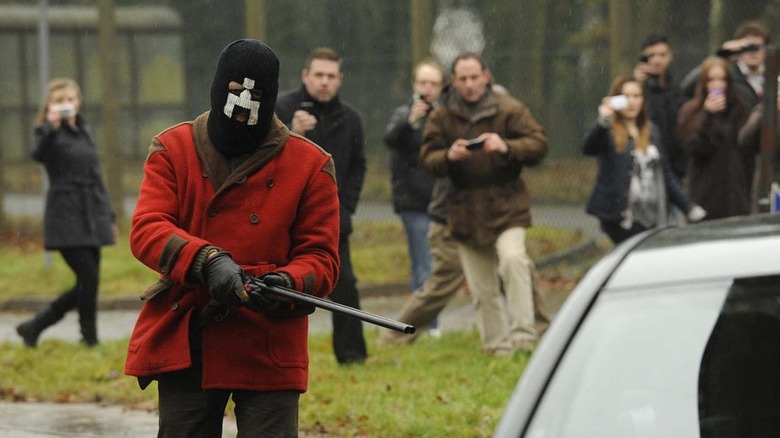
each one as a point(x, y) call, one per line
point(720, 173)
point(635, 183)
point(79, 218)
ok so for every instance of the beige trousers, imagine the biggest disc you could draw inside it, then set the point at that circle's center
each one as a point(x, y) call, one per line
point(501, 284)
point(446, 279)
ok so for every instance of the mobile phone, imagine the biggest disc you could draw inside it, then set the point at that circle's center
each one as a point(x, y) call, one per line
point(619, 102)
point(308, 106)
point(475, 143)
point(644, 59)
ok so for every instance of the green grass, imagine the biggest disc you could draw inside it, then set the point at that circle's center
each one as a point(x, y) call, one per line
point(379, 255)
point(566, 180)
point(432, 388)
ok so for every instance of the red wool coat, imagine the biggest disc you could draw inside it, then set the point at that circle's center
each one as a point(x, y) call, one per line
point(278, 211)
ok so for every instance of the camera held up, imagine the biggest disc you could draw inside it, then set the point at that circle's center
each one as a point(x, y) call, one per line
point(424, 98)
point(727, 53)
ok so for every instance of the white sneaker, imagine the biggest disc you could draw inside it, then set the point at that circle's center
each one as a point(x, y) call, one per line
point(434, 333)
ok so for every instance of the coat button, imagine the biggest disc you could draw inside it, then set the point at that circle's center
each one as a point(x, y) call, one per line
point(204, 174)
point(175, 306)
point(164, 269)
point(212, 211)
point(254, 219)
point(269, 182)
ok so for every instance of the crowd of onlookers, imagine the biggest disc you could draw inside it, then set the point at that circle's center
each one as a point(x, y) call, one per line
point(668, 151)
point(680, 151)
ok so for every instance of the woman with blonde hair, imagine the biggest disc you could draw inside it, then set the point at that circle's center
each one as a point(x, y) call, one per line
point(634, 184)
point(79, 218)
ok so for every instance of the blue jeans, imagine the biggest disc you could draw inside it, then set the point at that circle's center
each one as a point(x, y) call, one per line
point(416, 228)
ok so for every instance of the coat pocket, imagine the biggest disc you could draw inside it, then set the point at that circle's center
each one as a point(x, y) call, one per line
point(160, 286)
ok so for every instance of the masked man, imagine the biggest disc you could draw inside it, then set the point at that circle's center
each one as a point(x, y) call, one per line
point(229, 196)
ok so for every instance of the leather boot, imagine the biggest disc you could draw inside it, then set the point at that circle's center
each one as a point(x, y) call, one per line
point(89, 332)
point(31, 330)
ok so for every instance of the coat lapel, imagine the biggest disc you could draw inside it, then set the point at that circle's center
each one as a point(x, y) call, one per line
point(217, 167)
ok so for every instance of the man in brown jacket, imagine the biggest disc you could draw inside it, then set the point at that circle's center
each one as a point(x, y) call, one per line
point(481, 140)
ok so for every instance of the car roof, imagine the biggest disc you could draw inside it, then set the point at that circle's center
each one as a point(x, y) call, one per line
point(722, 249)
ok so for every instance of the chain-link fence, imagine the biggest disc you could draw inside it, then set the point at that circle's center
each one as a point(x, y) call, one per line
point(556, 57)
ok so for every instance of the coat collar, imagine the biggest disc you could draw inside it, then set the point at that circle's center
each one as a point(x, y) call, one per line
point(217, 167)
point(486, 107)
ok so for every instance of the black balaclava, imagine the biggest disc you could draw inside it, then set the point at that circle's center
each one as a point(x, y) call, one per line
point(255, 66)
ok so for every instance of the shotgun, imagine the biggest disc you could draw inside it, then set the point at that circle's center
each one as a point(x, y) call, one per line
point(257, 286)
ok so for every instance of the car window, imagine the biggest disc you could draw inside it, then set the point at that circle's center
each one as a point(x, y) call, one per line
point(739, 376)
point(642, 360)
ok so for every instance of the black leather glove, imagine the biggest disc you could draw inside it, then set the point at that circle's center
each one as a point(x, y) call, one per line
point(259, 302)
point(224, 279)
point(278, 307)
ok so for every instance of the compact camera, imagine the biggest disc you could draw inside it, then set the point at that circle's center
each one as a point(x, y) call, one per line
point(424, 98)
point(66, 110)
point(644, 59)
point(619, 102)
point(420, 96)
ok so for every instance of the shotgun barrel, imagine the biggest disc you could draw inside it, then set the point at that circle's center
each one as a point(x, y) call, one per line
point(332, 306)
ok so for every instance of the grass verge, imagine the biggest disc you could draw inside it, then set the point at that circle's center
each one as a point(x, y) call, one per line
point(432, 388)
point(379, 255)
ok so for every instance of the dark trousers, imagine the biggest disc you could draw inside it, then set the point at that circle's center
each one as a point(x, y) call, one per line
point(349, 345)
point(85, 263)
point(618, 234)
point(189, 411)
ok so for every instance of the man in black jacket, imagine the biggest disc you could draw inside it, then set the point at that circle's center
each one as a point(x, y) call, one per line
point(747, 53)
point(315, 111)
point(663, 96)
point(412, 186)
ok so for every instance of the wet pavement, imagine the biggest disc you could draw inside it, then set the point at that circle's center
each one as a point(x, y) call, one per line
point(49, 420)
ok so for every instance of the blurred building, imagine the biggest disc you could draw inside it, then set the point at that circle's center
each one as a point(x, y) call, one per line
point(149, 84)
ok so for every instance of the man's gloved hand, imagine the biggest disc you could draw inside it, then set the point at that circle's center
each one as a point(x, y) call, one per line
point(277, 279)
point(224, 279)
point(259, 302)
point(278, 307)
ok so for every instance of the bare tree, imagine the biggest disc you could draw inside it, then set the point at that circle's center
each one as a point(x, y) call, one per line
point(621, 39)
point(110, 105)
point(256, 26)
point(422, 25)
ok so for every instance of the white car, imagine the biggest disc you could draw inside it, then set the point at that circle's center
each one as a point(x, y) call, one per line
point(675, 333)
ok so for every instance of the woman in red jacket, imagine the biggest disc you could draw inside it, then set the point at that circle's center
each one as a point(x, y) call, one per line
point(230, 195)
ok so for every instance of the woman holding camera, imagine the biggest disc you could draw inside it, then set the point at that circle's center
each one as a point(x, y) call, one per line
point(634, 184)
point(720, 173)
point(79, 218)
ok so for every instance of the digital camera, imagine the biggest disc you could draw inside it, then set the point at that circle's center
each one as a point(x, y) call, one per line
point(66, 110)
point(619, 102)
